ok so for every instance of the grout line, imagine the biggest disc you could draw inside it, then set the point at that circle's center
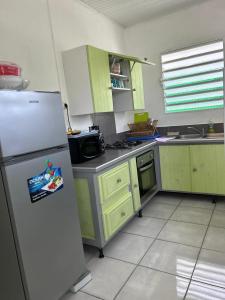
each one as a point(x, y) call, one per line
point(97, 297)
point(198, 254)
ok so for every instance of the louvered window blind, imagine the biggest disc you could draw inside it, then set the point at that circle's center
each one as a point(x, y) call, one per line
point(193, 78)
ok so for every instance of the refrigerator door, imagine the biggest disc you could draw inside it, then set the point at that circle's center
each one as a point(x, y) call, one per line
point(46, 225)
point(30, 121)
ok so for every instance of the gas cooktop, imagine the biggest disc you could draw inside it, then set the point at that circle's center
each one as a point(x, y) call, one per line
point(123, 145)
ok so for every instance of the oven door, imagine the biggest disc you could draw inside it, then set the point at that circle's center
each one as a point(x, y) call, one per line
point(89, 147)
point(146, 178)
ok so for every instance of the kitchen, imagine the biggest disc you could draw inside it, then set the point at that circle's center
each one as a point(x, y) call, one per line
point(178, 233)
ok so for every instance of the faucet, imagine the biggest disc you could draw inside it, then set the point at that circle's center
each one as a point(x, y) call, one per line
point(202, 132)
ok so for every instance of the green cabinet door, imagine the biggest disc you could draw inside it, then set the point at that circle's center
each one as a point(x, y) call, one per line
point(220, 169)
point(84, 208)
point(137, 85)
point(203, 169)
point(98, 62)
point(134, 184)
point(175, 168)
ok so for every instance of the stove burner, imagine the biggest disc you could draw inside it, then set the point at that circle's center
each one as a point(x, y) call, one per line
point(123, 145)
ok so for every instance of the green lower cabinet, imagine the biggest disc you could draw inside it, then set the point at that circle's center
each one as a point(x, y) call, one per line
point(175, 168)
point(117, 215)
point(84, 208)
point(135, 184)
point(203, 169)
point(220, 169)
point(194, 168)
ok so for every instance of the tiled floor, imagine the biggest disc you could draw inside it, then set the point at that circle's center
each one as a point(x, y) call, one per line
point(176, 251)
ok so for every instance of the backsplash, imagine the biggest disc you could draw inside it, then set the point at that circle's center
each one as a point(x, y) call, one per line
point(183, 129)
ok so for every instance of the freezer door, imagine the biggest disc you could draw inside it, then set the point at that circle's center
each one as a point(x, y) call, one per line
point(30, 121)
point(46, 226)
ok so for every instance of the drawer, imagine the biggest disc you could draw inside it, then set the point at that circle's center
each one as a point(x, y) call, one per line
point(116, 216)
point(113, 180)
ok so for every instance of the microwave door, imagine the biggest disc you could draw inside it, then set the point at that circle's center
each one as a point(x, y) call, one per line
point(89, 148)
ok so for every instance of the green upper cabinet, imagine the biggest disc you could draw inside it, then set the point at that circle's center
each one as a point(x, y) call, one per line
point(175, 168)
point(98, 62)
point(203, 169)
point(137, 85)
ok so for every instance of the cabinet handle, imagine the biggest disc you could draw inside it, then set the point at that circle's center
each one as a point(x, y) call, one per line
point(118, 180)
point(110, 88)
point(194, 170)
point(135, 186)
point(123, 214)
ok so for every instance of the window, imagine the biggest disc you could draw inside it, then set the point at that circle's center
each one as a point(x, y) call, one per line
point(193, 78)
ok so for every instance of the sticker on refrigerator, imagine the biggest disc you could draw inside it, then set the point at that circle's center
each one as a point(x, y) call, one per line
point(46, 183)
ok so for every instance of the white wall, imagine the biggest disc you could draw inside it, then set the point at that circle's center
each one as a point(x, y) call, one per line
point(197, 24)
point(28, 39)
point(75, 24)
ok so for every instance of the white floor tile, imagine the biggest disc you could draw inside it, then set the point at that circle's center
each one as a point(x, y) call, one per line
point(192, 214)
point(218, 218)
point(215, 239)
point(197, 201)
point(108, 276)
point(170, 257)
point(128, 247)
point(210, 268)
point(158, 210)
point(201, 291)
point(147, 284)
point(184, 233)
point(149, 227)
point(78, 296)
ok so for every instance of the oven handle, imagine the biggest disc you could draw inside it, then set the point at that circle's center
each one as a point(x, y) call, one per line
point(145, 168)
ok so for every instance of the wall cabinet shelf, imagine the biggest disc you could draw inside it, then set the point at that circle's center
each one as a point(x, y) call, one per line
point(119, 76)
point(117, 90)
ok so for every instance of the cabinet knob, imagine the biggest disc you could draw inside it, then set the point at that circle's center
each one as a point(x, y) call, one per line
point(194, 170)
point(135, 185)
point(134, 90)
point(119, 180)
point(123, 214)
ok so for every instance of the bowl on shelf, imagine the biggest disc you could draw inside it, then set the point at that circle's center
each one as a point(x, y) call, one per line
point(13, 83)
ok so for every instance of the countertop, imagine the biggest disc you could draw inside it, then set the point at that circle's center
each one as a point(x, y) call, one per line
point(112, 156)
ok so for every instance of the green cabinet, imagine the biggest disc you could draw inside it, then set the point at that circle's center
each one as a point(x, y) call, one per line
point(137, 85)
point(175, 168)
point(194, 168)
point(135, 184)
point(84, 208)
point(203, 169)
point(220, 168)
point(98, 62)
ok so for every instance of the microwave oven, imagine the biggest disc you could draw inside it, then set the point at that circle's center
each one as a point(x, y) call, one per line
point(85, 146)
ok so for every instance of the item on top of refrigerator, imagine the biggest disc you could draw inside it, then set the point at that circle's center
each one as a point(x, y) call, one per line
point(10, 77)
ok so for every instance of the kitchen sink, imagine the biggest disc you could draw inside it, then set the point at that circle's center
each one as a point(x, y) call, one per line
point(190, 136)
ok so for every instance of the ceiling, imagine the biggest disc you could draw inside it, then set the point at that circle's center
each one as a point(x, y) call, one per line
point(130, 12)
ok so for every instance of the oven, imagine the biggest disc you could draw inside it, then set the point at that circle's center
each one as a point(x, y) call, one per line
point(146, 174)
